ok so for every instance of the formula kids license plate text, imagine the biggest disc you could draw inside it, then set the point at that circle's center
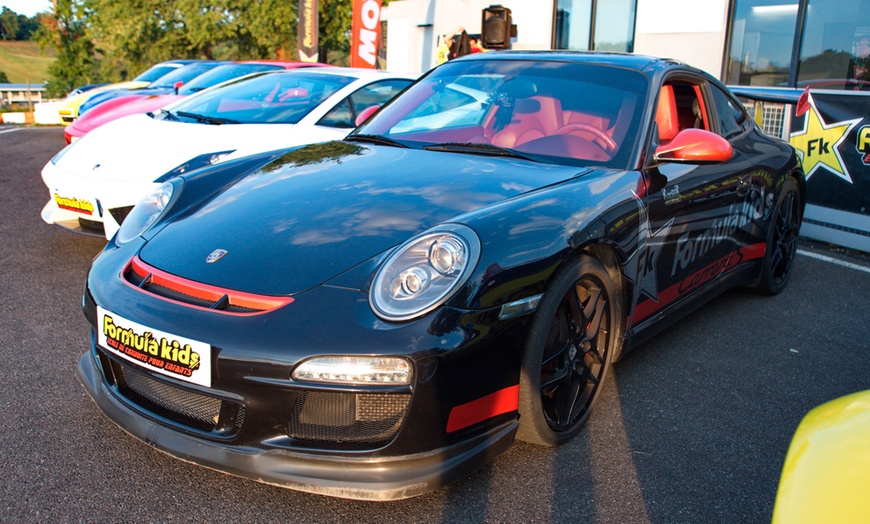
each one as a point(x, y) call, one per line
point(85, 206)
point(159, 351)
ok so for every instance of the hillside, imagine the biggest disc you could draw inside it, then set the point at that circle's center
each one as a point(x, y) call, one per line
point(24, 62)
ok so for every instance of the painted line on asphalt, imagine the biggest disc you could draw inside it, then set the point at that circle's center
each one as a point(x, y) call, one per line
point(835, 261)
point(11, 130)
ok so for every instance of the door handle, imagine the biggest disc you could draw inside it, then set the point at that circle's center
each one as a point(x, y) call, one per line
point(743, 186)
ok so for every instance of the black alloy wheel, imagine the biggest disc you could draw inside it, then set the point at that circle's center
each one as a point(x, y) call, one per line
point(568, 353)
point(782, 240)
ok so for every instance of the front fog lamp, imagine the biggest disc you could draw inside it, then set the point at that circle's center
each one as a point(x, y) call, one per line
point(424, 272)
point(385, 371)
point(145, 213)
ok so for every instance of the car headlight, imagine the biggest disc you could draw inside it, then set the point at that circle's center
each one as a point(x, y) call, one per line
point(56, 158)
point(424, 272)
point(386, 371)
point(194, 163)
point(146, 212)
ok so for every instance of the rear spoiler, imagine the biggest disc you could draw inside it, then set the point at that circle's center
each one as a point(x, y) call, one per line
point(782, 95)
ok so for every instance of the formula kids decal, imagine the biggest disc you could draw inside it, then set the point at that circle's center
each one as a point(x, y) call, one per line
point(162, 352)
point(83, 206)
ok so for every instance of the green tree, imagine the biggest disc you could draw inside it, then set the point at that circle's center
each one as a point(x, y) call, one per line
point(336, 17)
point(8, 24)
point(134, 35)
point(3, 78)
point(65, 30)
point(27, 27)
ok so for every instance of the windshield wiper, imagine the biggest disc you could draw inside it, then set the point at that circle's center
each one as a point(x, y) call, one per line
point(478, 149)
point(206, 119)
point(163, 114)
point(375, 139)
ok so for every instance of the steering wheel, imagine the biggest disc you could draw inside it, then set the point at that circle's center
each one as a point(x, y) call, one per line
point(603, 138)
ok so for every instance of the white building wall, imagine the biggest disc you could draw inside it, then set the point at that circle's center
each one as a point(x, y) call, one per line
point(689, 30)
point(692, 31)
point(413, 27)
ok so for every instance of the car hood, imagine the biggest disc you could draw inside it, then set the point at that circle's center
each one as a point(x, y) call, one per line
point(139, 148)
point(320, 210)
point(116, 108)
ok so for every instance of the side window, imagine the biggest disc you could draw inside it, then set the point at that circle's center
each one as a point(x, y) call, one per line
point(376, 94)
point(340, 116)
point(730, 116)
point(680, 107)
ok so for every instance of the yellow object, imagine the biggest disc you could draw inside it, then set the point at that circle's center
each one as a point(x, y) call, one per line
point(826, 476)
point(69, 108)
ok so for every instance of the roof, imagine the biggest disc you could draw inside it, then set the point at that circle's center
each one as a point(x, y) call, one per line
point(595, 57)
point(23, 87)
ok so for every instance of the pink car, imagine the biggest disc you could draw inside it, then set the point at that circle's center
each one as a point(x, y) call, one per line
point(136, 103)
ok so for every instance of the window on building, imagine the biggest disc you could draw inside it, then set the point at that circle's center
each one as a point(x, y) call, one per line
point(583, 25)
point(833, 39)
point(835, 45)
point(762, 38)
point(573, 23)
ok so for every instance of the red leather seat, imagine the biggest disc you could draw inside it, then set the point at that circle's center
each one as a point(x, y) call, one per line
point(667, 118)
point(534, 117)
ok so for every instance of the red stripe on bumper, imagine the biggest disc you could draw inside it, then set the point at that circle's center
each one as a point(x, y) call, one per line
point(470, 413)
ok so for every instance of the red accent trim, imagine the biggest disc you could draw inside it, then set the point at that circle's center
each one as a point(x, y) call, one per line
point(502, 401)
point(262, 303)
point(646, 308)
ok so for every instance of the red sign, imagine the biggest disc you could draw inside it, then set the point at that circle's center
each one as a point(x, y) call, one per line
point(365, 33)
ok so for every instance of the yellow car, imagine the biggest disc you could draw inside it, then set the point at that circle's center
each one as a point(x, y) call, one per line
point(826, 476)
point(69, 108)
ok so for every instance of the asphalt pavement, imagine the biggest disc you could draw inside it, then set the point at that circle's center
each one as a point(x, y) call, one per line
point(693, 426)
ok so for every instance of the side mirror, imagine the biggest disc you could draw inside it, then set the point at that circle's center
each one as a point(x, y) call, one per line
point(365, 114)
point(695, 146)
point(177, 86)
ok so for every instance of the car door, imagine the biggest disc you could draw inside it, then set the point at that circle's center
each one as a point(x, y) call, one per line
point(690, 212)
point(755, 186)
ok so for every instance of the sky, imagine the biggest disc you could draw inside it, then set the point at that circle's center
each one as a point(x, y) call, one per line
point(26, 7)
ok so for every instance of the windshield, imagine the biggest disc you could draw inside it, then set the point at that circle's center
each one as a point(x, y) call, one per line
point(155, 72)
point(283, 97)
point(222, 74)
point(182, 74)
point(554, 111)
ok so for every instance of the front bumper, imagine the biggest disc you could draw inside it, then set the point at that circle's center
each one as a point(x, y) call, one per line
point(363, 478)
point(94, 206)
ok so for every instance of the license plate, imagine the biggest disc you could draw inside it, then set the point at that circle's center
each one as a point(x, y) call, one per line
point(158, 351)
point(85, 206)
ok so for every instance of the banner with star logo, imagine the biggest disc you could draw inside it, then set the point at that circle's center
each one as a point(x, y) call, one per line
point(830, 129)
point(833, 141)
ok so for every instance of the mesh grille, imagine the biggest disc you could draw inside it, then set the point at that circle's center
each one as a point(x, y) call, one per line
point(351, 418)
point(184, 406)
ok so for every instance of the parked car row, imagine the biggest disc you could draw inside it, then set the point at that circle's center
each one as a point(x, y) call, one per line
point(373, 306)
point(94, 182)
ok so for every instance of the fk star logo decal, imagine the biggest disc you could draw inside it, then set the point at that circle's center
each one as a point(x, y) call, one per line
point(818, 143)
point(649, 250)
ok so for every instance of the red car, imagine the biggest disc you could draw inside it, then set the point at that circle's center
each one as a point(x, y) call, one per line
point(137, 103)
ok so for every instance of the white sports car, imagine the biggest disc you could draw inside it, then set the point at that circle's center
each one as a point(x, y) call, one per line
point(94, 182)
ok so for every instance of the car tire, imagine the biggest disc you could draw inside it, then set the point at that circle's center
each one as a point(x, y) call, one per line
point(779, 255)
point(568, 353)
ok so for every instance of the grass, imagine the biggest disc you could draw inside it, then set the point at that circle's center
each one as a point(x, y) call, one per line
point(23, 62)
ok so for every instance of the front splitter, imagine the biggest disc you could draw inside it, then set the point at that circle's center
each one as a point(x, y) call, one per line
point(391, 478)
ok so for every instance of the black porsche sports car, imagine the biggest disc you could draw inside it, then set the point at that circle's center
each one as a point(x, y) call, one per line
point(374, 317)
